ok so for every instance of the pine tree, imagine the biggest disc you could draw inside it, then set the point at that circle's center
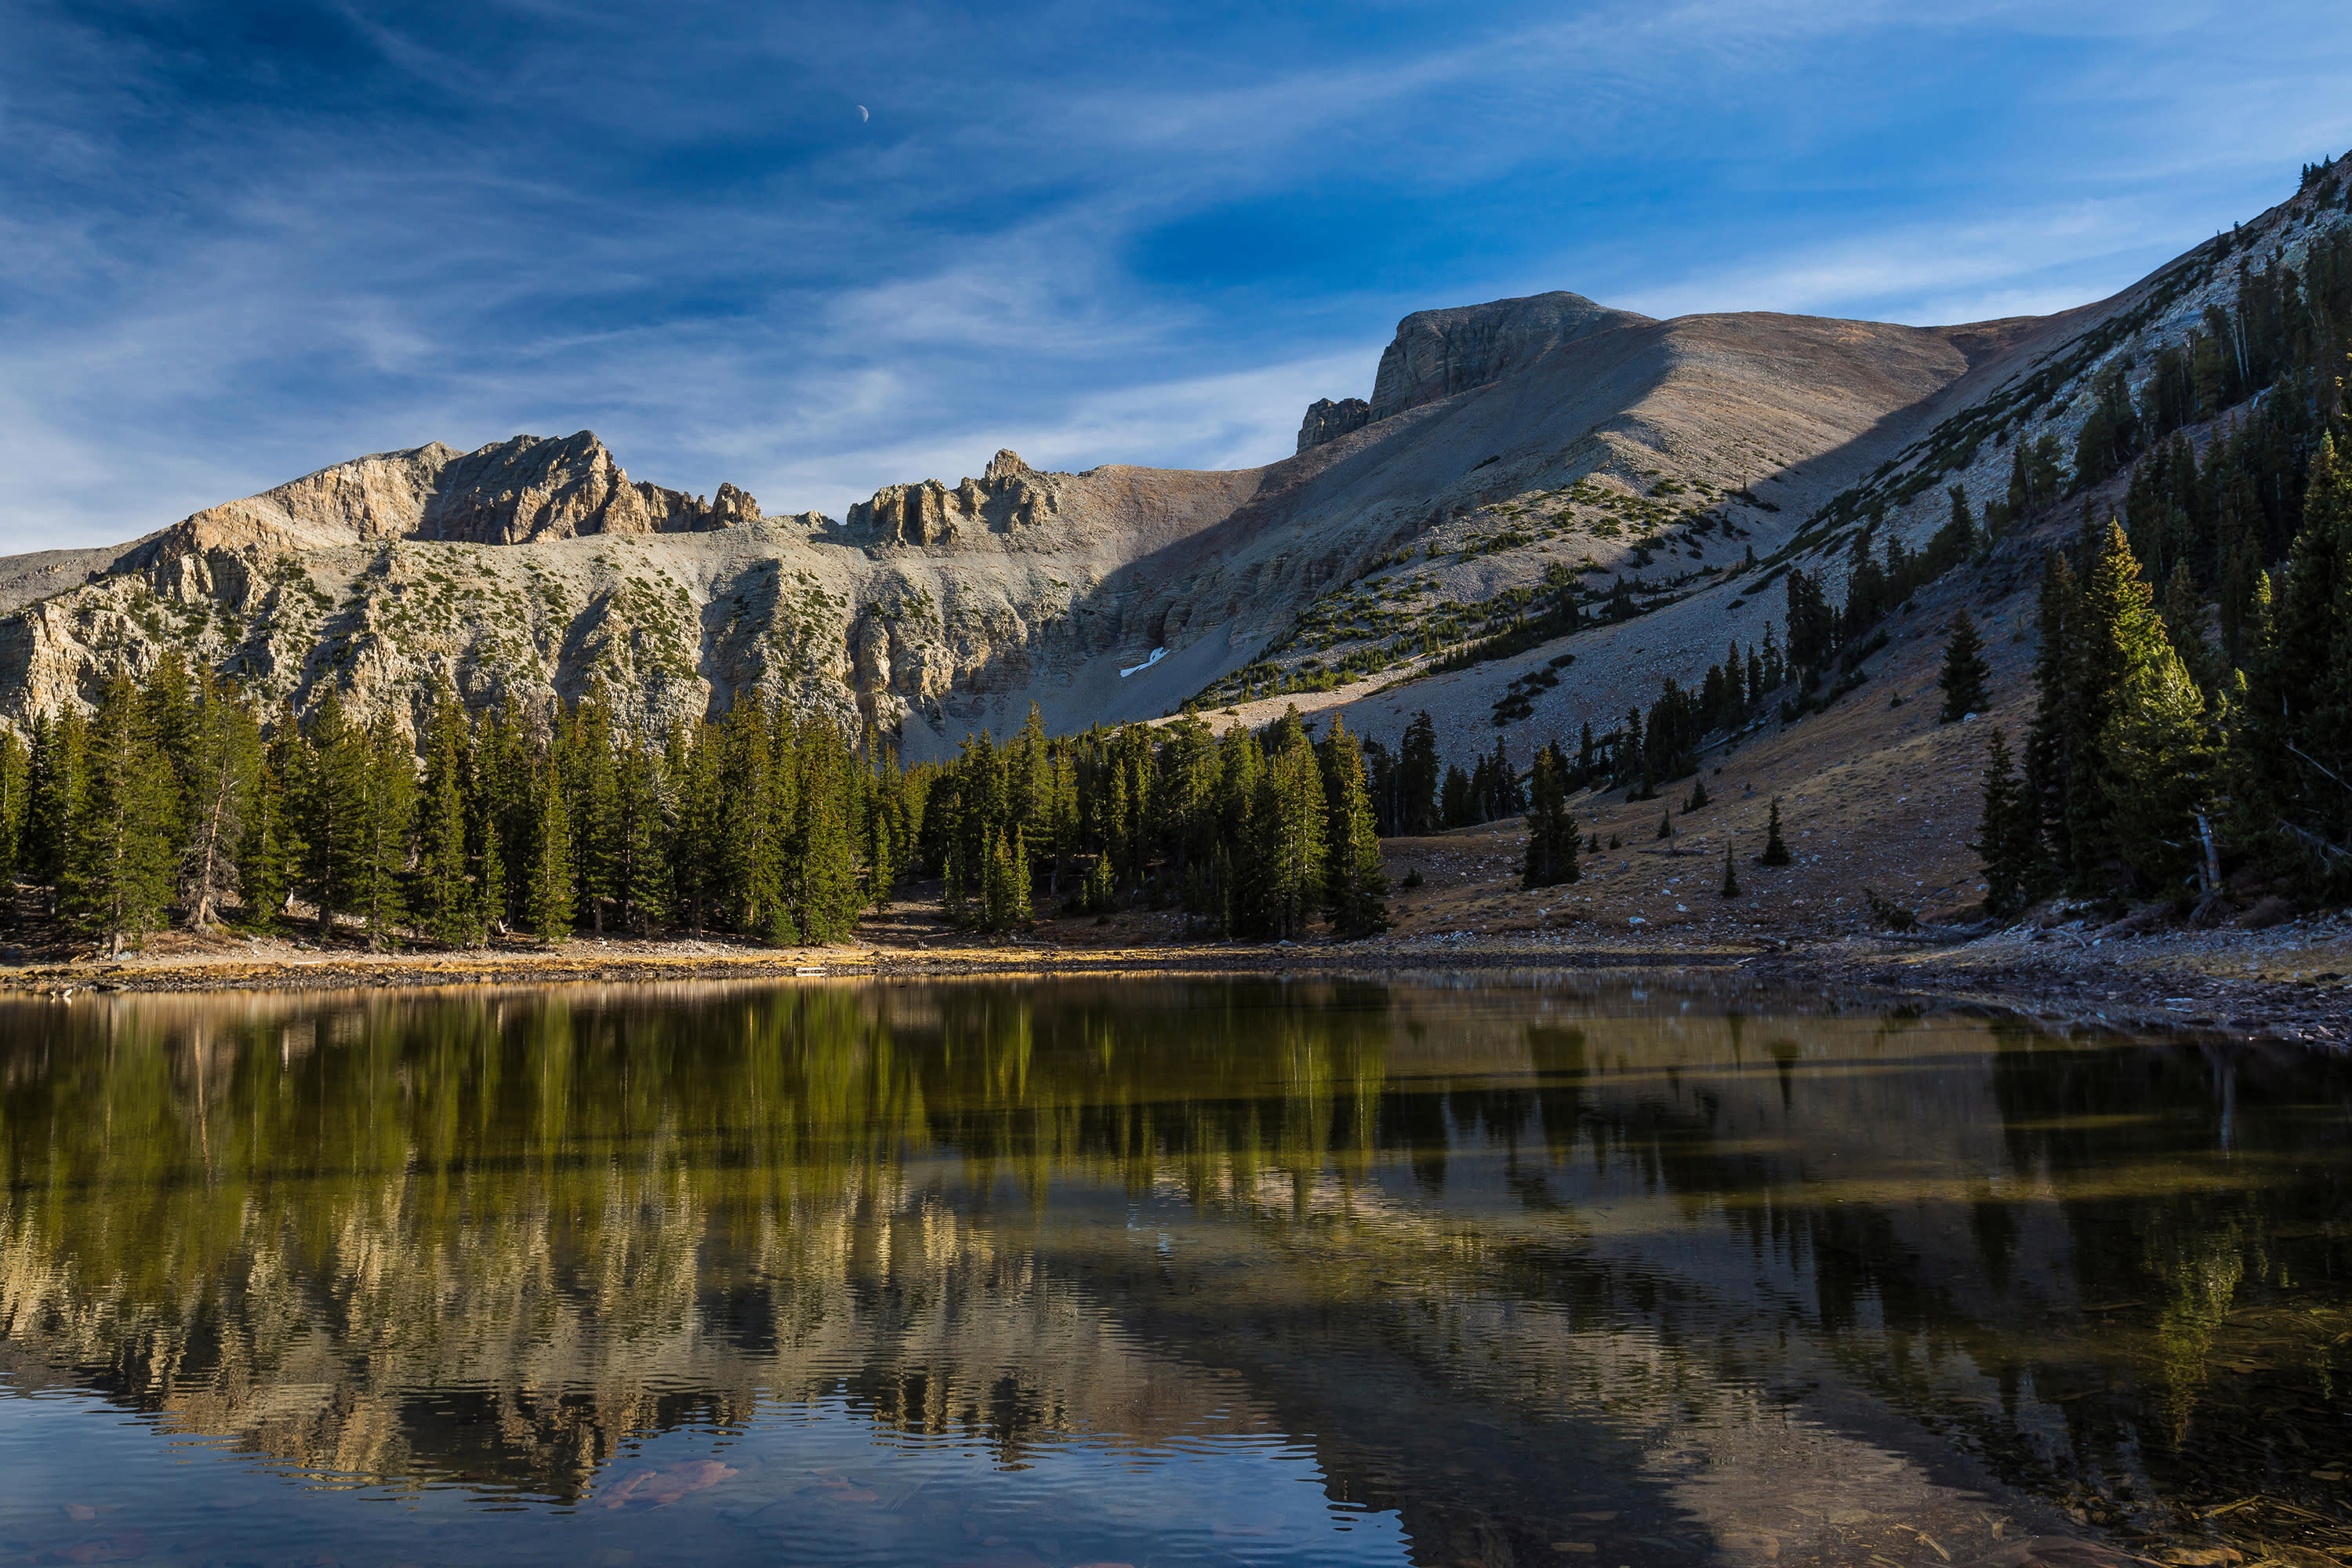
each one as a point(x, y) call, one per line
point(2006, 834)
point(1730, 889)
point(1509, 800)
point(2116, 636)
point(57, 776)
point(387, 818)
point(1418, 775)
point(445, 891)
point(2159, 765)
point(220, 772)
point(1004, 895)
point(1666, 825)
point(1288, 837)
point(118, 860)
point(486, 839)
point(333, 810)
point(1098, 894)
point(16, 770)
point(549, 899)
point(167, 718)
point(1457, 804)
point(269, 852)
point(591, 787)
point(2294, 731)
point(1698, 797)
point(1358, 882)
point(2183, 614)
point(1775, 853)
point(823, 864)
point(1549, 857)
point(2051, 745)
point(697, 858)
point(642, 875)
point(1965, 672)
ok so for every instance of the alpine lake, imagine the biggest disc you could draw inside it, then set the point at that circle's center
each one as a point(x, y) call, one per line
point(1160, 1271)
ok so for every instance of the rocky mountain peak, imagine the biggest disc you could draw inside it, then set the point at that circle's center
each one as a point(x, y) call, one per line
point(509, 492)
point(1008, 495)
point(1437, 353)
point(1328, 421)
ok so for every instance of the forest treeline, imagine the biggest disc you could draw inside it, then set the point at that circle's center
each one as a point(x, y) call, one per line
point(179, 796)
point(2193, 685)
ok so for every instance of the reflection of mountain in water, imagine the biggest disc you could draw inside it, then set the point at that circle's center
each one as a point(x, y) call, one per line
point(491, 1240)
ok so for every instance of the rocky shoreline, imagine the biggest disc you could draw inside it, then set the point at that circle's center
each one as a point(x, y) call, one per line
point(2290, 984)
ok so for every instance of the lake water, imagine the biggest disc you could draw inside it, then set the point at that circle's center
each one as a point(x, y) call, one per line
point(1158, 1272)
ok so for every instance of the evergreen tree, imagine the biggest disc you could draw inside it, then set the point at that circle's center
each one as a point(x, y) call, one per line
point(1509, 800)
point(696, 856)
point(16, 772)
point(641, 878)
point(217, 780)
point(1965, 671)
point(1730, 889)
point(1004, 885)
point(2050, 746)
point(1549, 857)
point(2183, 614)
point(1666, 825)
point(1358, 882)
point(167, 718)
point(2159, 765)
point(591, 773)
point(1775, 852)
point(335, 832)
point(56, 776)
point(1098, 894)
point(387, 816)
point(549, 899)
point(269, 852)
point(1457, 802)
point(1418, 775)
point(1288, 837)
point(2115, 636)
point(485, 836)
point(1698, 796)
point(2294, 753)
point(444, 888)
point(823, 869)
point(118, 860)
point(2006, 832)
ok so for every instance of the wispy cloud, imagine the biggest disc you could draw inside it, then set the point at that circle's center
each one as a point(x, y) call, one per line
point(237, 251)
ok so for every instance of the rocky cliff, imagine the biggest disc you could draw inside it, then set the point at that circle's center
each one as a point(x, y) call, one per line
point(1328, 421)
point(1437, 353)
point(1508, 449)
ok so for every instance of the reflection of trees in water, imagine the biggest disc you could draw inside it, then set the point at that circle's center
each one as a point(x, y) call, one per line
point(495, 1236)
point(285, 1224)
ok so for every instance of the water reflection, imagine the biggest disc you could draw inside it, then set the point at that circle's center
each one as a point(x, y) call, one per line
point(1248, 1271)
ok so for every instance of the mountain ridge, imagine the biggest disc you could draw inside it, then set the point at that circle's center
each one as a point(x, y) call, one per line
point(1507, 448)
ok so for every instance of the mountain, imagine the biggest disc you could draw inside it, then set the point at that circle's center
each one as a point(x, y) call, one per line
point(1508, 453)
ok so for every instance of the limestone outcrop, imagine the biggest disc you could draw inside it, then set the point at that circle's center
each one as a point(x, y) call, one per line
point(531, 487)
point(1328, 421)
point(1437, 353)
point(1009, 495)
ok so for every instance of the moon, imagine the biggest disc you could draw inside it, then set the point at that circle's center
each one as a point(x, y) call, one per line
point(862, 116)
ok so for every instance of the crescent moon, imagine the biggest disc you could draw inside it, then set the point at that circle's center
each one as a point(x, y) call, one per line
point(862, 116)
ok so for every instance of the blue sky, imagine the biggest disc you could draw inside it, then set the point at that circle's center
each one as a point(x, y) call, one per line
point(240, 242)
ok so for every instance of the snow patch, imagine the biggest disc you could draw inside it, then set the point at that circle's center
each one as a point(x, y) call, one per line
point(1157, 655)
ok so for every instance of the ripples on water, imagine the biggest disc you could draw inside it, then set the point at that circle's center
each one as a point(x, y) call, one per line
point(1043, 1275)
